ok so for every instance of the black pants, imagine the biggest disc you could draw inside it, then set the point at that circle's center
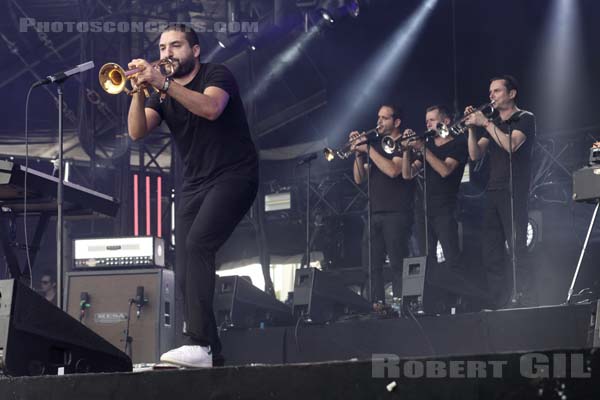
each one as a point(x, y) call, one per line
point(496, 233)
point(390, 233)
point(418, 248)
point(205, 219)
point(442, 227)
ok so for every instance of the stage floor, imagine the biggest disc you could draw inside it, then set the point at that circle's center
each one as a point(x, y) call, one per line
point(498, 376)
point(541, 353)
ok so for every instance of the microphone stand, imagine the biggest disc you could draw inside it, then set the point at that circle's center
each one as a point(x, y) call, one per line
point(369, 213)
point(308, 161)
point(514, 300)
point(58, 79)
point(59, 202)
point(425, 217)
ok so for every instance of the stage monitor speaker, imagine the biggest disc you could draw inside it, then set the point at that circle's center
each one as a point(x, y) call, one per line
point(320, 297)
point(37, 338)
point(413, 283)
point(238, 303)
point(105, 300)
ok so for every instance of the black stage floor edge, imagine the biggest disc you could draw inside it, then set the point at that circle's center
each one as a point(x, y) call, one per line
point(513, 330)
point(536, 353)
point(548, 375)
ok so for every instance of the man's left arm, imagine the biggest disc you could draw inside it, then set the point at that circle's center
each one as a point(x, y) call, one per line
point(392, 168)
point(209, 105)
point(501, 138)
point(521, 130)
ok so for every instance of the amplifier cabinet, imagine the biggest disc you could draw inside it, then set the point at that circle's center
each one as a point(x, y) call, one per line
point(110, 295)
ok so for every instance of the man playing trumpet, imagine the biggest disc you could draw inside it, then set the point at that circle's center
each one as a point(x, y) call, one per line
point(446, 158)
point(512, 134)
point(391, 201)
point(204, 111)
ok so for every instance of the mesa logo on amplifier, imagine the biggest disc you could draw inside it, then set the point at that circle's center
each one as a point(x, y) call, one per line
point(123, 252)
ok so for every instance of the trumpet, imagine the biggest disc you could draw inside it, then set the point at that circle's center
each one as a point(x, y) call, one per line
point(391, 145)
point(460, 127)
point(345, 151)
point(113, 78)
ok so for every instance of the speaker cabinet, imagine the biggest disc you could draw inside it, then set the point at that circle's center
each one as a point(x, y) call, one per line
point(37, 338)
point(321, 297)
point(413, 283)
point(111, 303)
point(240, 304)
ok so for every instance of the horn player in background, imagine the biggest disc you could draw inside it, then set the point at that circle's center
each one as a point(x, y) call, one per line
point(391, 202)
point(446, 158)
point(509, 140)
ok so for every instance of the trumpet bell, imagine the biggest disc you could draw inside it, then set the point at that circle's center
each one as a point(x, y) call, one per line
point(112, 78)
point(442, 130)
point(329, 154)
point(388, 144)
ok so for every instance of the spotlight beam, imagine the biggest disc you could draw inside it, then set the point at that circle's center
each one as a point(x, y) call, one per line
point(389, 59)
point(561, 57)
point(280, 63)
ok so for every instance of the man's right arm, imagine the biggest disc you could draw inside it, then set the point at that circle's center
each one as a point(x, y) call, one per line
point(360, 171)
point(477, 146)
point(141, 119)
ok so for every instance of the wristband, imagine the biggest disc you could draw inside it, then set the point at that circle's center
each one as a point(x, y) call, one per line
point(165, 87)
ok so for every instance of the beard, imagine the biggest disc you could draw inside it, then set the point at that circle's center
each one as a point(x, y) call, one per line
point(184, 67)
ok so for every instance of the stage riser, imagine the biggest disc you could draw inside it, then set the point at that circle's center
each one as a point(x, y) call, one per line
point(340, 380)
point(519, 330)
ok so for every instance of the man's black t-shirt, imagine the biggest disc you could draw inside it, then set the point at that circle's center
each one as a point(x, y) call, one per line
point(390, 194)
point(212, 151)
point(521, 159)
point(441, 192)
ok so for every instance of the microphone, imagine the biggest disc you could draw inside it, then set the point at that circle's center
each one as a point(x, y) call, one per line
point(139, 300)
point(306, 159)
point(62, 76)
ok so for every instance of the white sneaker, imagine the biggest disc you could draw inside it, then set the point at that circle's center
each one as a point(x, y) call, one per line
point(189, 356)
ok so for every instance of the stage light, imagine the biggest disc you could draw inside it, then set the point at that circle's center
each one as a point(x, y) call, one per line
point(229, 41)
point(250, 42)
point(533, 235)
point(439, 252)
point(326, 16)
point(534, 229)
